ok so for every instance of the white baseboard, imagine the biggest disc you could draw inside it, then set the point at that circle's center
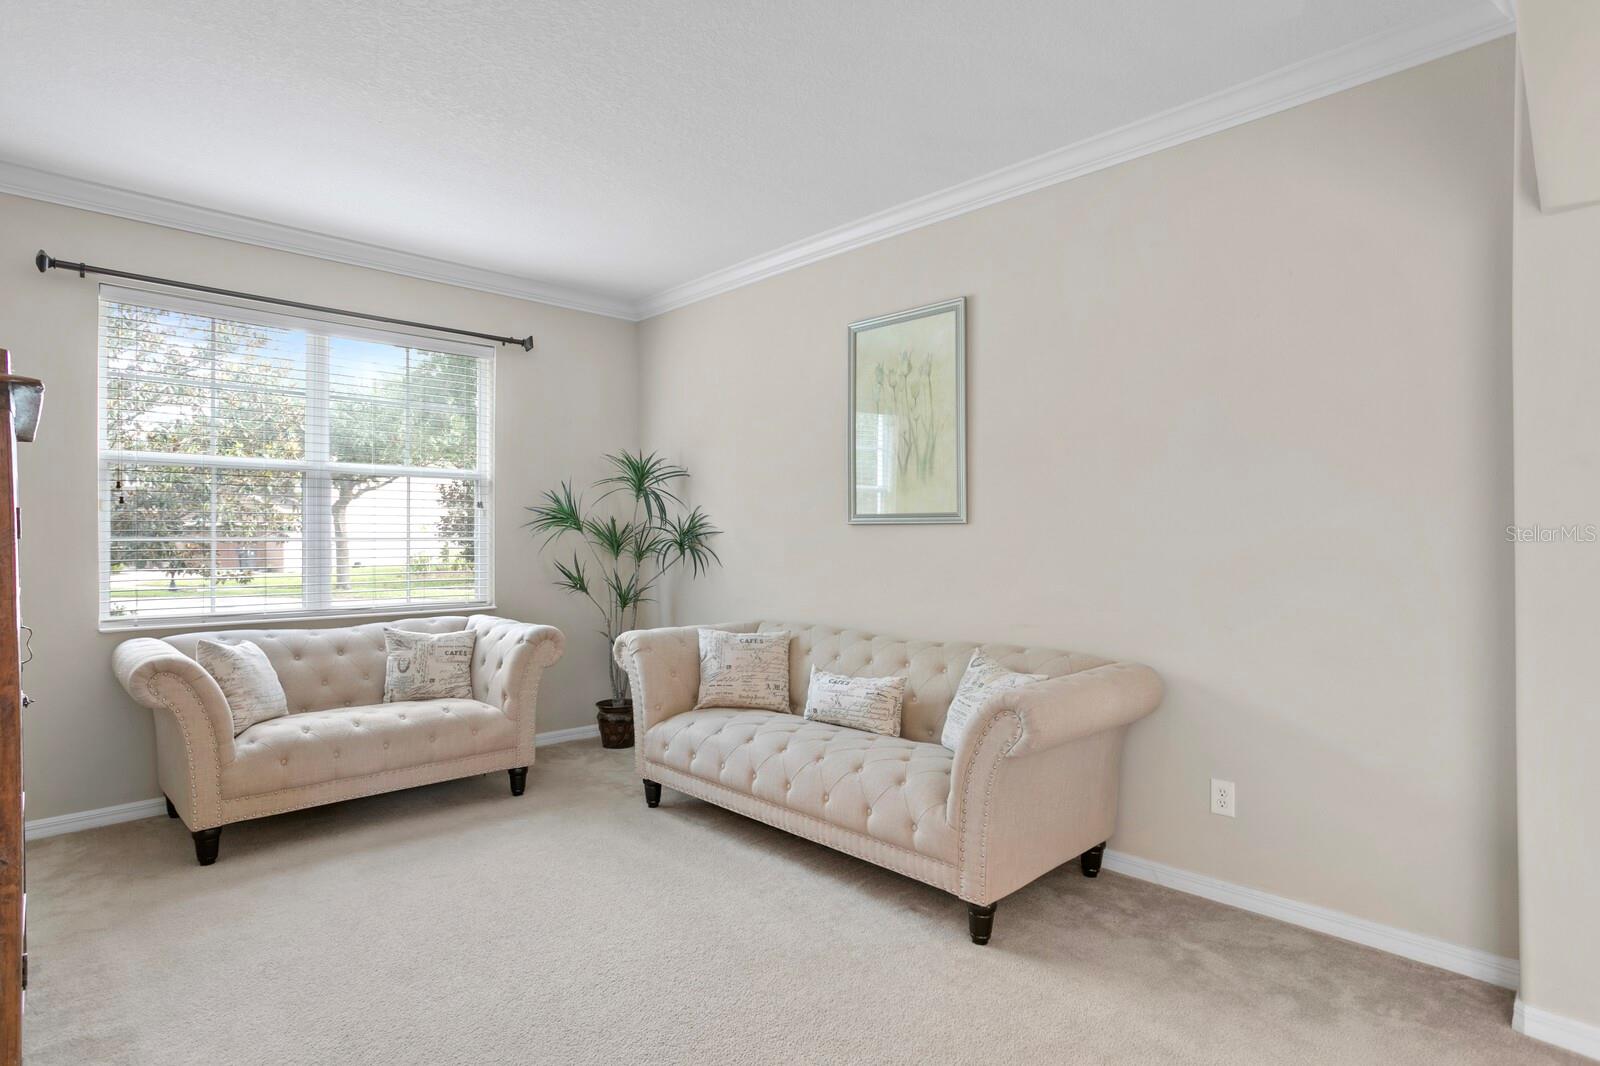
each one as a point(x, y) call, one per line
point(40, 828)
point(1467, 961)
point(561, 736)
point(1556, 1029)
point(55, 826)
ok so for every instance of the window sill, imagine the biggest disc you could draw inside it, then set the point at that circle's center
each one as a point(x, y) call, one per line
point(339, 619)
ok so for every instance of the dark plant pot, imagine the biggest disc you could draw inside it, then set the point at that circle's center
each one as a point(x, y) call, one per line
point(616, 723)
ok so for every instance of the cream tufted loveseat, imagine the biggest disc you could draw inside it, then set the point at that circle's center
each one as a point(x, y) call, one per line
point(339, 739)
point(1032, 784)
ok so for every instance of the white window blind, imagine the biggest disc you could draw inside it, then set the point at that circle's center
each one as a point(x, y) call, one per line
point(255, 464)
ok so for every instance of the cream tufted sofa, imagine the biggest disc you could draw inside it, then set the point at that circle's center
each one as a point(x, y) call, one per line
point(339, 739)
point(1033, 783)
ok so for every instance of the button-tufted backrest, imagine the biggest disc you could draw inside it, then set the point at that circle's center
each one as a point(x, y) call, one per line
point(932, 670)
point(321, 669)
point(497, 641)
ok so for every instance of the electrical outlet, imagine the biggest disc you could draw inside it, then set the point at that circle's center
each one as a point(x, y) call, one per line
point(1223, 798)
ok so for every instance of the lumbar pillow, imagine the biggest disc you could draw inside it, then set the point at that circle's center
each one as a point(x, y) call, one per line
point(744, 670)
point(870, 703)
point(247, 680)
point(984, 678)
point(428, 666)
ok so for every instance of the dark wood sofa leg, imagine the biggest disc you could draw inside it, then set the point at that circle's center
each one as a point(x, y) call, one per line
point(519, 779)
point(172, 812)
point(205, 844)
point(652, 793)
point(980, 922)
point(1090, 860)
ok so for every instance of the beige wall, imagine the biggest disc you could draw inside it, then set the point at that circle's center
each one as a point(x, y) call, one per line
point(1239, 409)
point(558, 410)
point(1558, 42)
point(1557, 360)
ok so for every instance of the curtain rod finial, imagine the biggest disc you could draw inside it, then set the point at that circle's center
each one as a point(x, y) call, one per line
point(43, 261)
point(526, 342)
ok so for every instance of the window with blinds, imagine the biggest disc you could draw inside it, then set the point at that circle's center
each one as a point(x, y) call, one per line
point(254, 464)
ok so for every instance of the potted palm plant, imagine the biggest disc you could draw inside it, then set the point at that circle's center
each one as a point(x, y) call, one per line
point(626, 558)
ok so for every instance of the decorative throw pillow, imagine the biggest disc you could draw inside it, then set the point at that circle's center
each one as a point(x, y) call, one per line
point(247, 680)
point(870, 703)
point(427, 666)
point(984, 678)
point(744, 670)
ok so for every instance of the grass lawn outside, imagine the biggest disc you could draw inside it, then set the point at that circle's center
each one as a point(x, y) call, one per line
point(366, 583)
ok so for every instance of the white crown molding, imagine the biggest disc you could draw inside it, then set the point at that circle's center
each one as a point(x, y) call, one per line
point(40, 828)
point(1469, 962)
point(140, 207)
point(1344, 68)
point(1557, 1029)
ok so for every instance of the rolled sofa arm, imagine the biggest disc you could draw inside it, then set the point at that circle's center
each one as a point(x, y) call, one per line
point(161, 678)
point(1045, 715)
point(663, 667)
point(1062, 709)
point(194, 728)
point(508, 661)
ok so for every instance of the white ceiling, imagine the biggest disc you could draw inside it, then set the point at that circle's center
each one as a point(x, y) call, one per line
point(623, 149)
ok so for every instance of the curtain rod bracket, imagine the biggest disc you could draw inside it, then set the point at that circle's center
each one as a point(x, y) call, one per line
point(45, 262)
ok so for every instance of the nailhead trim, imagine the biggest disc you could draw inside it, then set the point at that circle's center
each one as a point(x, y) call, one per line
point(188, 748)
point(519, 684)
point(982, 871)
point(346, 786)
point(693, 786)
point(973, 883)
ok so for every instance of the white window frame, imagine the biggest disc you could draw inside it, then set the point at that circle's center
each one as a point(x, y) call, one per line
point(317, 546)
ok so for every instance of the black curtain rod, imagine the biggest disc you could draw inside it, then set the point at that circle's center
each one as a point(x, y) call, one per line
point(45, 262)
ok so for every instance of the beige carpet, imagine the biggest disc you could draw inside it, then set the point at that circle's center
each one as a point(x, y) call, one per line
point(455, 924)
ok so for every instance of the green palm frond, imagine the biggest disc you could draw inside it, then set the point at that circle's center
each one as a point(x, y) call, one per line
point(561, 512)
point(572, 578)
point(687, 538)
point(627, 592)
point(615, 539)
point(626, 559)
point(647, 541)
point(645, 478)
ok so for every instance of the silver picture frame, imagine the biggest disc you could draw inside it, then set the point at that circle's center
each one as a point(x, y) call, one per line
point(863, 453)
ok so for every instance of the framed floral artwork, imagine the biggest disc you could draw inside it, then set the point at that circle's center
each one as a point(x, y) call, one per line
point(908, 416)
